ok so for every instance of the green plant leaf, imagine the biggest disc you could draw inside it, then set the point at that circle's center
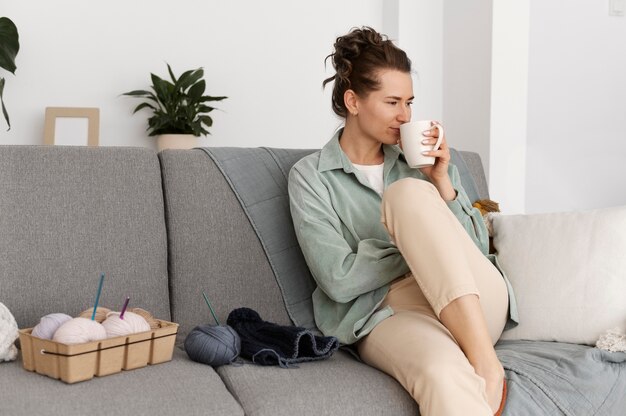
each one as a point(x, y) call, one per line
point(162, 89)
point(208, 121)
point(4, 110)
point(205, 109)
point(196, 128)
point(191, 79)
point(139, 93)
point(209, 98)
point(144, 105)
point(9, 44)
point(179, 107)
point(196, 91)
point(183, 80)
point(155, 79)
point(169, 69)
point(156, 123)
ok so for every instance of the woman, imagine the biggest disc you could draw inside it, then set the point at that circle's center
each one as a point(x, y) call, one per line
point(398, 254)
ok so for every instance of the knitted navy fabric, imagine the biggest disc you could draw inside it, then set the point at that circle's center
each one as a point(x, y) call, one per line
point(267, 343)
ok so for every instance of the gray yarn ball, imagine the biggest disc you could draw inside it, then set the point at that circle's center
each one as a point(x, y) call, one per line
point(213, 345)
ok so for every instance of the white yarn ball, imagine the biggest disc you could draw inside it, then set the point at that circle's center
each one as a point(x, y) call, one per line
point(48, 325)
point(8, 334)
point(131, 324)
point(78, 331)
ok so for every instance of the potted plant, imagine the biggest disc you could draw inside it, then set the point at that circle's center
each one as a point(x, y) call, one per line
point(9, 47)
point(180, 113)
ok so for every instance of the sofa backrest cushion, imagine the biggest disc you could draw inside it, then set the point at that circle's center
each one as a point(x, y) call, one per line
point(212, 246)
point(217, 238)
point(69, 213)
point(472, 174)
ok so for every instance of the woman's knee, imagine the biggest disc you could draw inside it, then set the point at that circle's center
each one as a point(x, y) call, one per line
point(408, 186)
point(410, 194)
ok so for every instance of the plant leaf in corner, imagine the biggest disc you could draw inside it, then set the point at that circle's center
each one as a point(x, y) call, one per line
point(9, 44)
point(4, 110)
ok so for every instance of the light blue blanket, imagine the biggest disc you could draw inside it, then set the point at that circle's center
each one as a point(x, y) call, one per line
point(544, 378)
point(550, 378)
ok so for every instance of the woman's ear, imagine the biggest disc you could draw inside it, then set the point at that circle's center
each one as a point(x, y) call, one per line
point(351, 101)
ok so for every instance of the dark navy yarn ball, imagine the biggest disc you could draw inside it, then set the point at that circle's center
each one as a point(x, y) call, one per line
point(214, 345)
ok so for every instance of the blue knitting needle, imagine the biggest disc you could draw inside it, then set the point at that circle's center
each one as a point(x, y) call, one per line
point(93, 315)
point(210, 308)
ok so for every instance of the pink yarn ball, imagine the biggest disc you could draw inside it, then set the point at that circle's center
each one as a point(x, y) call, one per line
point(131, 324)
point(48, 325)
point(78, 331)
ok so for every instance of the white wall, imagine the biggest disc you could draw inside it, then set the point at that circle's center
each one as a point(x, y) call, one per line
point(508, 119)
point(576, 148)
point(467, 74)
point(420, 34)
point(558, 105)
point(266, 56)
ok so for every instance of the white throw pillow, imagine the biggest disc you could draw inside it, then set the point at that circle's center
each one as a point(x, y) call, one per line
point(568, 272)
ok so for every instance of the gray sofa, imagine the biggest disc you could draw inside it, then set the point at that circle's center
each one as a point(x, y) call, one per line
point(165, 227)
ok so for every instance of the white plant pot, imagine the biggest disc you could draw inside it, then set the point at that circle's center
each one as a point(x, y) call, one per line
point(177, 141)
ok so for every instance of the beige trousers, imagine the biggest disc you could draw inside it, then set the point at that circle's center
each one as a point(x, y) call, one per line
point(413, 346)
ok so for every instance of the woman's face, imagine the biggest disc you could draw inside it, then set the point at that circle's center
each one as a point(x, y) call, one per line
point(381, 112)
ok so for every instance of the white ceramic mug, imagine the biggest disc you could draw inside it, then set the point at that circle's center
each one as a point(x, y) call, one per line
point(412, 135)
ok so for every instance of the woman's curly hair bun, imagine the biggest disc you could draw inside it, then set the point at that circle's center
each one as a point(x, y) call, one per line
point(357, 57)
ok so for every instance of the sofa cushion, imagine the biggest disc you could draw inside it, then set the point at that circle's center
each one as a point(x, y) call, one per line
point(470, 173)
point(212, 246)
point(471, 163)
point(68, 213)
point(178, 387)
point(568, 271)
point(339, 385)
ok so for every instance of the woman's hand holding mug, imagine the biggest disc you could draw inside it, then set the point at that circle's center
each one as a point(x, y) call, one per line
point(425, 148)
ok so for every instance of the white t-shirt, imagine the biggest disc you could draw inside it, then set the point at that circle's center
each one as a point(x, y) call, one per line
point(374, 175)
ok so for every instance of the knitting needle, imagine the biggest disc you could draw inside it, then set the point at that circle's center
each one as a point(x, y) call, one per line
point(210, 308)
point(124, 307)
point(93, 315)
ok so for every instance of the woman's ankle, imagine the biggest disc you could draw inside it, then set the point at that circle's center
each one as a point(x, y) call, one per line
point(494, 382)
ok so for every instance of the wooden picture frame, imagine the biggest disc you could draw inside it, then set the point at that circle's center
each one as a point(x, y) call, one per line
point(91, 114)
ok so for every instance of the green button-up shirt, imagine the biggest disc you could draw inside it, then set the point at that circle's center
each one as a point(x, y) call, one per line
point(336, 217)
